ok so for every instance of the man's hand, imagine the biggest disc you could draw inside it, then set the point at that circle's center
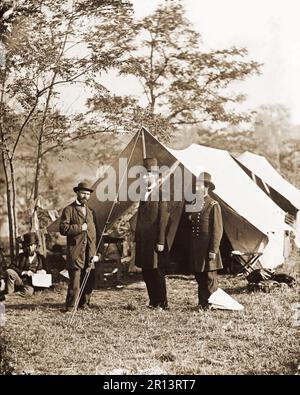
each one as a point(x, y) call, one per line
point(160, 247)
point(28, 273)
point(96, 258)
point(84, 227)
point(42, 271)
point(90, 267)
point(212, 255)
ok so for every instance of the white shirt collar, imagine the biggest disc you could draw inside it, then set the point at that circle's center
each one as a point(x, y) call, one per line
point(31, 257)
point(79, 204)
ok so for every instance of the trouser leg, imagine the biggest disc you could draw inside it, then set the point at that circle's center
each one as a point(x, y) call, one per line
point(162, 289)
point(27, 290)
point(88, 289)
point(148, 277)
point(207, 284)
point(73, 287)
point(156, 287)
point(13, 280)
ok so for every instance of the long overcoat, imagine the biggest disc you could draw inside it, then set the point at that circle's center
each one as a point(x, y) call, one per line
point(151, 229)
point(81, 245)
point(206, 230)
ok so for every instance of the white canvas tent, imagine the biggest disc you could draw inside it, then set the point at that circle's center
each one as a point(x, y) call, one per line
point(252, 221)
point(283, 193)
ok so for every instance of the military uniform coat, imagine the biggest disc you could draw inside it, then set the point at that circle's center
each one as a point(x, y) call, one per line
point(206, 230)
point(151, 229)
point(81, 246)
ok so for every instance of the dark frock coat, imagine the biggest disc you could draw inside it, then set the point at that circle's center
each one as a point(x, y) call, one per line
point(81, 246)
point(206, 230)
point(151, 229)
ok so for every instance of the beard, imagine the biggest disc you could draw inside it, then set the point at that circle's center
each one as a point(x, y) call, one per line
point(83, 201)
point(28, 252)
point(31, 253)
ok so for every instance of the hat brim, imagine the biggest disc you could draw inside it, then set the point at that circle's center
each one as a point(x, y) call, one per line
point(210, 184)
point(27, 244)
point(76, 189)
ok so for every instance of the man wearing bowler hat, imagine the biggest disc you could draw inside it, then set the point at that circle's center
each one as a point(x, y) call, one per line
point(19, 275)
point(206, 230)
point(150, 236)
point(79, 225)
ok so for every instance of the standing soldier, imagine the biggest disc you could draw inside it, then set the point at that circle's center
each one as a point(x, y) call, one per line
point(150, 237)
point(206, 230)
point(79, 225)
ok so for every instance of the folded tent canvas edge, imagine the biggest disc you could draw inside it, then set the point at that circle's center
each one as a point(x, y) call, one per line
point(281, 191)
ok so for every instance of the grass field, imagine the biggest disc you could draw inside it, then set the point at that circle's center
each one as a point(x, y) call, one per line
point(120, 335)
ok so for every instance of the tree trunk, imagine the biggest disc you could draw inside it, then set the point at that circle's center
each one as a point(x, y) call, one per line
point(7, 166)
point(14, 195)
point(37, 173)
point(10, 210)
point(42, 128)
point(39, 157)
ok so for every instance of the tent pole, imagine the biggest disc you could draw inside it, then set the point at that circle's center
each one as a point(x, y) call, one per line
point(144, 143)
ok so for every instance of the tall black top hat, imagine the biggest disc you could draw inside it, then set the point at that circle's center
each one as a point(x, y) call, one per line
point(30, 238)
point(83, 186)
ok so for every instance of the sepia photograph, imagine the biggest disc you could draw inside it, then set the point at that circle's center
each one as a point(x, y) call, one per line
point(149, 190)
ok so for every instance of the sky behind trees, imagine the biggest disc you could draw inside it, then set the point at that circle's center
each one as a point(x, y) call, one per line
point(270, 29)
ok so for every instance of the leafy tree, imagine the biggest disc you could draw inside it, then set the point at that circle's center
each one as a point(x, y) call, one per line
point(183, 83)
point(272, 127)
point(50, 44)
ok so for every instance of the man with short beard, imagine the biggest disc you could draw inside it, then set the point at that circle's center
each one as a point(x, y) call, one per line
point(78, 223)
point(205, 233)
point(19, 275)
point(152, 252)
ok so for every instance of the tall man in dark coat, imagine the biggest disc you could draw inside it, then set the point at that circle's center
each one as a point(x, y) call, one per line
point(19, 274)
point(206, 230)
point(151, 238)
point(79, 225)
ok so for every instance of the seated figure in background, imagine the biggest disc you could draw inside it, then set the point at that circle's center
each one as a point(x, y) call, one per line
point(19, 274)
